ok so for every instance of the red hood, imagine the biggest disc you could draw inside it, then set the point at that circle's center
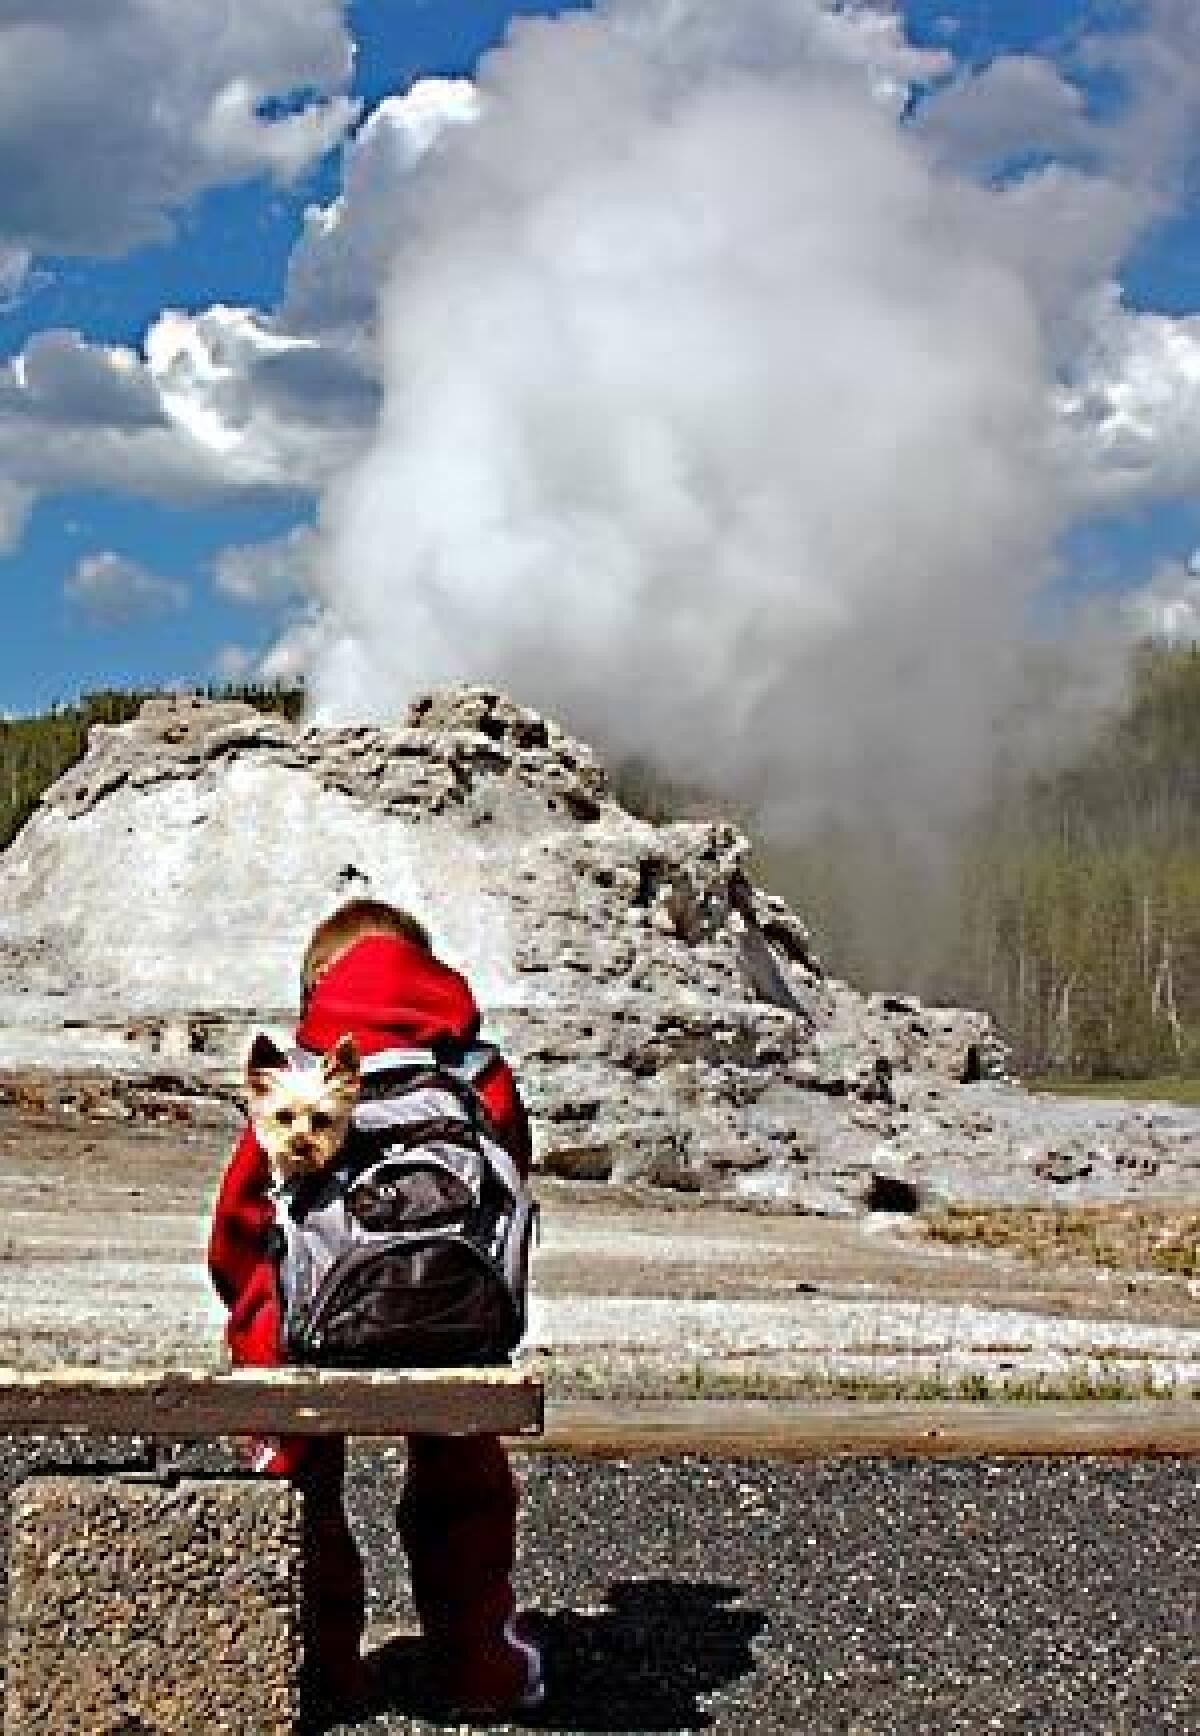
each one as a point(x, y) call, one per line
point(387, 992)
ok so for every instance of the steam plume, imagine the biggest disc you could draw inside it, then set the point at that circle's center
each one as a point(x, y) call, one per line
point(714, 417)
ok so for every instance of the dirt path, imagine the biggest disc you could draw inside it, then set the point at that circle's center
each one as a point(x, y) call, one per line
point(103, 1229)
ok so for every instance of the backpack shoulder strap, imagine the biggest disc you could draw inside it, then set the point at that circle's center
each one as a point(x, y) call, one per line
point(468, 1062)
point(463, 1066)
point(397, 1061)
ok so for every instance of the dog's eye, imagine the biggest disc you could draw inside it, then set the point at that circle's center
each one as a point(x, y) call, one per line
point(321, 1122)
point(285, 1117)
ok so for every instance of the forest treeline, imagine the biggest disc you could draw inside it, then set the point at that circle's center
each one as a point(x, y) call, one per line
point(34, 751)
point(1069, 908)
point(1079, 919)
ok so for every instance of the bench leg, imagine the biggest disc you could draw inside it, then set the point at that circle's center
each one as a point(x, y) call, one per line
point(157, 1607)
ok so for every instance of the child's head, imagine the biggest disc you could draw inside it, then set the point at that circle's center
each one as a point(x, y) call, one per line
point(350, 923)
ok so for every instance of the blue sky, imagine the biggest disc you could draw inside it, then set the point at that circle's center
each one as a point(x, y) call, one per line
point(111, 538)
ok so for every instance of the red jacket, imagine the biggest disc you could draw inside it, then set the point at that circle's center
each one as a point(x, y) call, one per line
point(387, 993)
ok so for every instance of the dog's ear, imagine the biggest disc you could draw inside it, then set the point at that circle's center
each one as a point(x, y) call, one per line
point(342, 1062)
point(265, 1057)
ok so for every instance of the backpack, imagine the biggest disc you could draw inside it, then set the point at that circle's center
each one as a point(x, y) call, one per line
point(413, 1250)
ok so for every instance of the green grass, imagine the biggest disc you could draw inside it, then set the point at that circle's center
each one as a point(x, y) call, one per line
point(1167, 1088)
point(569, 1379)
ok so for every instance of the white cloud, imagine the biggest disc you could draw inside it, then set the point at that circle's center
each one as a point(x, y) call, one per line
point(1130, 413)
point(220, 403)
point(1014, 106)
point(114, 115)
point(74, 414)
point(1158, 62)
point(275, 410)
point(15, 264)
point(268, 573)
point(1169, 606)
point(113, 591)
point(235, 135)
point(72, 384)
point(15, 504)
point(1068, 224)
point(695, 39)
point(341, 260)
point(232, 400)
point(234, 663)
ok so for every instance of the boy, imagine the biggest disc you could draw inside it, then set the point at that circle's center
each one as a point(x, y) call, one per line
point(370, 971)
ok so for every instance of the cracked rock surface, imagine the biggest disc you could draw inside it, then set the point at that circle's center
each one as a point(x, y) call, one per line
point(669, 1020)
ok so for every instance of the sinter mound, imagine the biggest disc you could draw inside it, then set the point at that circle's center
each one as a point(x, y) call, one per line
point(668, 1018)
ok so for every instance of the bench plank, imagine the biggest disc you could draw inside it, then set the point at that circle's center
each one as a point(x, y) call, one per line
point(198, 1404)
point(868, 1428)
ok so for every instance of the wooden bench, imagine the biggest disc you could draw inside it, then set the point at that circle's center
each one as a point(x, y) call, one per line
point(198, 1404)
point(158, 1603)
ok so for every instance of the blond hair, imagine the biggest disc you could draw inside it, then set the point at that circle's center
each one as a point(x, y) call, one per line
point(352, 922)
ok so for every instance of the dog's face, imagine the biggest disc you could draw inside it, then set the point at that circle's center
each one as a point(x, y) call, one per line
point(301, 1114)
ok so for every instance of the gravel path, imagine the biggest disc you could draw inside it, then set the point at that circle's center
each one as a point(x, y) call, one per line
point(857, 1597)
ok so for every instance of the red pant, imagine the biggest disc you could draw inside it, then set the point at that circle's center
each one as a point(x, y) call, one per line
point(457, 1519)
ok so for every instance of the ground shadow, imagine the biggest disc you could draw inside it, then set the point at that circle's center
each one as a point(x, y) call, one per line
point(642, 1662)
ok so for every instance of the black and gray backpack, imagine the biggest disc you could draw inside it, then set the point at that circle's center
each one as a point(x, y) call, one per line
point(413, 1250)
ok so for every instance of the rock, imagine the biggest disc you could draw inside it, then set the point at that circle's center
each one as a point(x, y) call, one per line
point(137, 1605)
point(578, 1163)
point(669, 1020)
point(1061, 1167)
point(892, 1193)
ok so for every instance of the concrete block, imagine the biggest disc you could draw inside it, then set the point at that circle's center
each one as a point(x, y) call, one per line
point(138, 1605)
